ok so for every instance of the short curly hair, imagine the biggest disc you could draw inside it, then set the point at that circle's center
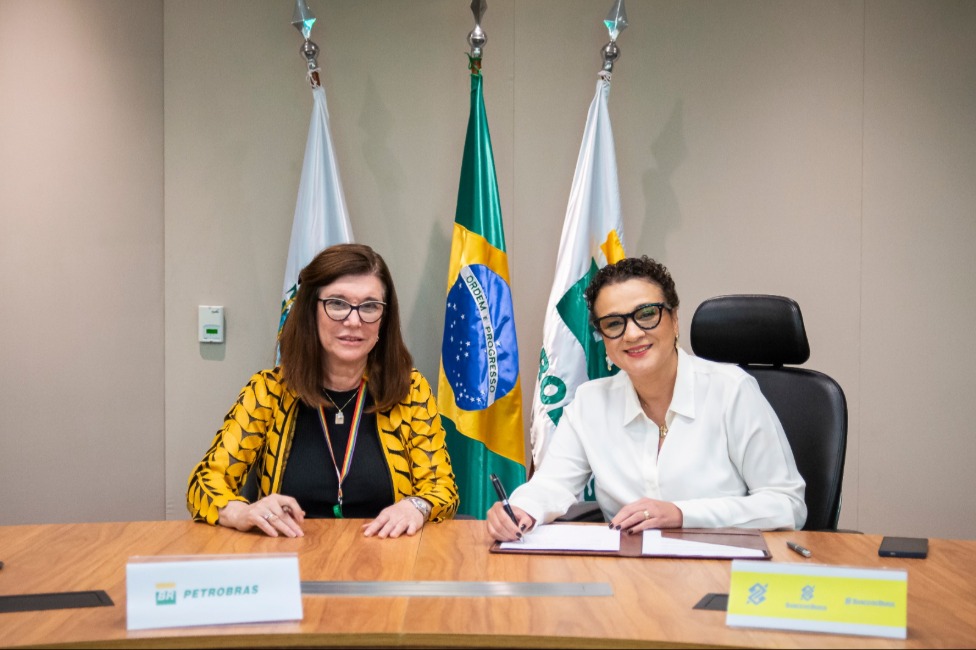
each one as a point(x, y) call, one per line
point(629, 268)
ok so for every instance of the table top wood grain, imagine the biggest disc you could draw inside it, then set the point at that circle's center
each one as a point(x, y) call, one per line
point(652, 602)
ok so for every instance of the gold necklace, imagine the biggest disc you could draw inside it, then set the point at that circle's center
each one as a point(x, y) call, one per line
point(662, 429)
point(339, 417)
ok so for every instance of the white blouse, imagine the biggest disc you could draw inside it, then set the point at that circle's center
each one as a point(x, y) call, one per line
point(725, 461)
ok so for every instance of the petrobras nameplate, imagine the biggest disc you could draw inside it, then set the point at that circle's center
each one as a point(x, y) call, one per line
point(816, 598)
point(178, 591)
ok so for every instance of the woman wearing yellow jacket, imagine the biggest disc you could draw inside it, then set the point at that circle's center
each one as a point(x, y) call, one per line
point(344, 427)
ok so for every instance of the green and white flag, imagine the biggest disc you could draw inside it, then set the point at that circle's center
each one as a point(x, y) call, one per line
point(321, 217)
point(572, 352)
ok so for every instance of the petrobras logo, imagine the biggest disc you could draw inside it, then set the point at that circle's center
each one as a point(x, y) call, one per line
point(167, 592)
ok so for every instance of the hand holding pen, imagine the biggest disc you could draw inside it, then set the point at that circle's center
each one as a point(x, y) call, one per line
point(506, 523)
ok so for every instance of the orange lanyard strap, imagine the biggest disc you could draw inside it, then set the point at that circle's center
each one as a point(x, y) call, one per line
point(350, 446)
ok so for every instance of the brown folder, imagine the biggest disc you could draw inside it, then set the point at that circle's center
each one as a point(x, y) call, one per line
point(631, 545)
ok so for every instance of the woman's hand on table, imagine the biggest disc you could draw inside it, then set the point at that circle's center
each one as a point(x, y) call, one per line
point(274, 515)
point(401, 518)
point(645, 514)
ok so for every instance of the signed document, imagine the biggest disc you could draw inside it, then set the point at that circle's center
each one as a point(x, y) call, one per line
point(597, 539)
point(568, 537)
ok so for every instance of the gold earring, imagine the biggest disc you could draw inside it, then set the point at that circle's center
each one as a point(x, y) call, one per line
point(676, 341)
point(609, 363)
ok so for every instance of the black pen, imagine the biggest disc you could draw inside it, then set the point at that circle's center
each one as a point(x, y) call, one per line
point(504, 499)
point(805, 552)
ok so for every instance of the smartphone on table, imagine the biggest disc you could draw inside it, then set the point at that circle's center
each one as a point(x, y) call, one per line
point(916, 547)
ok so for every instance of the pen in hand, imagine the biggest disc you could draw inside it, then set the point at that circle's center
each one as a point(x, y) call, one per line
point(500, 491)
point(796, 548)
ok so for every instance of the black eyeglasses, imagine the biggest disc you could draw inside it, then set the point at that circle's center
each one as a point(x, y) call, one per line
point(647, 317)
point(338, 309)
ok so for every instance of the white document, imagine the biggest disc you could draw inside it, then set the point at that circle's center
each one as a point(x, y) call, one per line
point(568, 537)
point(654, 544)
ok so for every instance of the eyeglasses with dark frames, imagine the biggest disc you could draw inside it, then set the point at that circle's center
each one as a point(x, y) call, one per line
point(646, 317)
point(339, 309)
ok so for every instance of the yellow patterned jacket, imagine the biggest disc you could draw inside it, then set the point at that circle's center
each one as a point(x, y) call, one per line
point(260, 428)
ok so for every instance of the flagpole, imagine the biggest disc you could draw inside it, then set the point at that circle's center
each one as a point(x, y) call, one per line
point(479, 394)
point(321, 216)
point(592, 237)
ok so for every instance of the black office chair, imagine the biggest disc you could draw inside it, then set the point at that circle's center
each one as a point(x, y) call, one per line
point(762, 333)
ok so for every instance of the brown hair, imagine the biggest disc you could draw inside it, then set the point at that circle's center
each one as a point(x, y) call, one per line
point(629, 268)
point(388, 365)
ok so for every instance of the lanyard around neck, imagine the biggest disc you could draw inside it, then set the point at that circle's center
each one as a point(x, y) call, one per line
point(350, 445)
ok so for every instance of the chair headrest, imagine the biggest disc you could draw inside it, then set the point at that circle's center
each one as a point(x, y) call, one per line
point(750, 329)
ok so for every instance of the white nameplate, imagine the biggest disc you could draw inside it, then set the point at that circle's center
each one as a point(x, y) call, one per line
point(816, 598)
point(178, 591)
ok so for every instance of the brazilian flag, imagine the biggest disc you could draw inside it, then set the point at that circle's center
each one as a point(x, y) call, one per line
point(479, 393)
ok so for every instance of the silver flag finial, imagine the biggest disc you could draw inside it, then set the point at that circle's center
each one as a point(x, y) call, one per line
point(478, 8)
point(616, 22)
point(477, 38)
point(303, 18)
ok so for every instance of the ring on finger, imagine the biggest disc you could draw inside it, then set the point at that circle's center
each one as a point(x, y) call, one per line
point(268, 516)
point(647, 515)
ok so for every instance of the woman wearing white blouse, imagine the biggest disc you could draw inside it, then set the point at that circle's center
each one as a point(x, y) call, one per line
point(671, 441)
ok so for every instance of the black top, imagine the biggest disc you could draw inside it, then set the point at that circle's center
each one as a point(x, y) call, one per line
point(310, 477)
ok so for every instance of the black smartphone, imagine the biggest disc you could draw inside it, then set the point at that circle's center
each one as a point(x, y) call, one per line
point(917, 547)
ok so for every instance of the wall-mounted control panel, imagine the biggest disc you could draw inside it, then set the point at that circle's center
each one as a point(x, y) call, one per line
point(210, 324)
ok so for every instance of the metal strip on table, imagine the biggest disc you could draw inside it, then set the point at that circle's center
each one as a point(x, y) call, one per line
point(455, 589)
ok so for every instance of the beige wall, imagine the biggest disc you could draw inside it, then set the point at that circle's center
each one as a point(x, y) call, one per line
point(918, 266)
point(817, 150)
point(81, 261)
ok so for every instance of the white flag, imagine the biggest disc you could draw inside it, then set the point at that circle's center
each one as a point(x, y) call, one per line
point(321, 217)
point(572, 352)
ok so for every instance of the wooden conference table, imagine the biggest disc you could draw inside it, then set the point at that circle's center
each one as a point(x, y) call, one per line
point(652, 602)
